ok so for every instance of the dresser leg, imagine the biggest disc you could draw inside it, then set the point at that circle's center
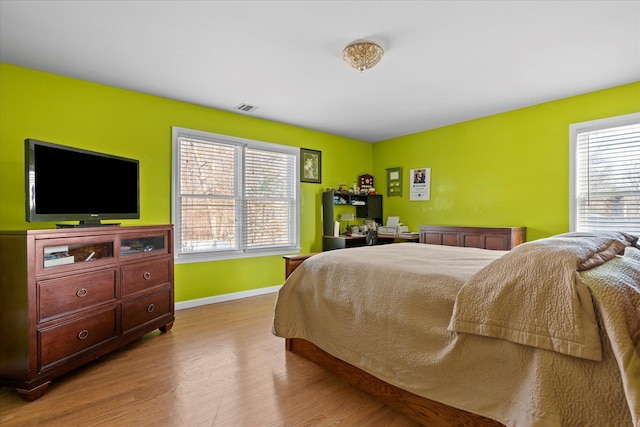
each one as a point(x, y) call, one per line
point(34, 393)
point(166, 328)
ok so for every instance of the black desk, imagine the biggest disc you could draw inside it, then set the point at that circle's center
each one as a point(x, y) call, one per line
point(346, 241)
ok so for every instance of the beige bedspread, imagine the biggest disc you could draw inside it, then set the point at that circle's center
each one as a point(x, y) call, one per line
point(386, 310)
point(534, 295)
point(615, 288)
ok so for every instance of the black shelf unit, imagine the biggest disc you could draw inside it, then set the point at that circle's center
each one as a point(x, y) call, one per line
point(366, 207)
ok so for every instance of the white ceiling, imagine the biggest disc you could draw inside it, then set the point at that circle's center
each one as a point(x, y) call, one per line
point(445, 61)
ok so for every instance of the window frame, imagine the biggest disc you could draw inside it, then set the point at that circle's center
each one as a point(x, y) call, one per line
point(241, 251)
point(574, 130)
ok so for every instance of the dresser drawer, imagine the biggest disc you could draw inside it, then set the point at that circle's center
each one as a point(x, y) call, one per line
point(142, 276)
point(144, 309)
point(63, 340)
point(57, 297)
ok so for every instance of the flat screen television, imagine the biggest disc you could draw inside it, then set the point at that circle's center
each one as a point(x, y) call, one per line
point(70, 184)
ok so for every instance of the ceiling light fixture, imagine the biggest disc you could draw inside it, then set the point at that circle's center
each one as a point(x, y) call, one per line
point(362, 55)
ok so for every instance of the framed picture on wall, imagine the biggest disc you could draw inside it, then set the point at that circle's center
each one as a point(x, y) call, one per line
point(420, 184)
point(310, 166)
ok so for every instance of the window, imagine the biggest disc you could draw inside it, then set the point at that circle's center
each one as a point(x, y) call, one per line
point(605, 174)
point(233, 197)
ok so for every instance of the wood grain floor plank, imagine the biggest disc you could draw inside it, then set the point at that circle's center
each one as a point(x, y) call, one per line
point(219, 366)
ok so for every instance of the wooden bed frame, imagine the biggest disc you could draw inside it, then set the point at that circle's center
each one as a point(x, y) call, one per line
point(425, 411)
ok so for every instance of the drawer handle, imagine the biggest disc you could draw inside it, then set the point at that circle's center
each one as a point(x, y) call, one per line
point(82, 292)
point(83, 334)
point(150, 308)
point(147, 276)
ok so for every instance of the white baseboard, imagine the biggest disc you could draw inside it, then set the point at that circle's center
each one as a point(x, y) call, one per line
point(226, 297)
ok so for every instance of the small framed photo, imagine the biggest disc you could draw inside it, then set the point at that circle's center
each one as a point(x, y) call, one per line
point(420, 184)
point(310, 166)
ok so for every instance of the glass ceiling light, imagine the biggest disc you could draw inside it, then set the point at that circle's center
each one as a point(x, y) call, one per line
point(362, 55)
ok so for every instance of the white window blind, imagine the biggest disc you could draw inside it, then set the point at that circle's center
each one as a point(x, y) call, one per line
point(606, 193)
point(233, 197)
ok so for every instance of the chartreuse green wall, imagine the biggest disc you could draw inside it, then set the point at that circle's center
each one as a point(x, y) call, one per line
point(73, 112)
point(502, 170)
point(509, 169)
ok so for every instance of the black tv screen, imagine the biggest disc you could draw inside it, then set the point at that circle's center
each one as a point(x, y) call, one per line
point(71, 184)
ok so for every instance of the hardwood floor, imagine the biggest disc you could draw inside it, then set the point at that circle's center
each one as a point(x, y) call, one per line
point(219, 366)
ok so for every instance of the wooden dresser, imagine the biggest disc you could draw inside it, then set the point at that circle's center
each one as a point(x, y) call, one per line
point(69, 296)
point(495, 238)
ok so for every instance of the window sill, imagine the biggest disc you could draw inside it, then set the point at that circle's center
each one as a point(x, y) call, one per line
point(208, 256)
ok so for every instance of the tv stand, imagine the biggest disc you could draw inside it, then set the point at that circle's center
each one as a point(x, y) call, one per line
point(87, 224)
point(70, 296)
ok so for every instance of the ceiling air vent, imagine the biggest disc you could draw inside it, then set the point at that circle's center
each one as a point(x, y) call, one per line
point(246, 108)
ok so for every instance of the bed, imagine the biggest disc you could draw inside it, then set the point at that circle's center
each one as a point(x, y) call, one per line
point(545, 334)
